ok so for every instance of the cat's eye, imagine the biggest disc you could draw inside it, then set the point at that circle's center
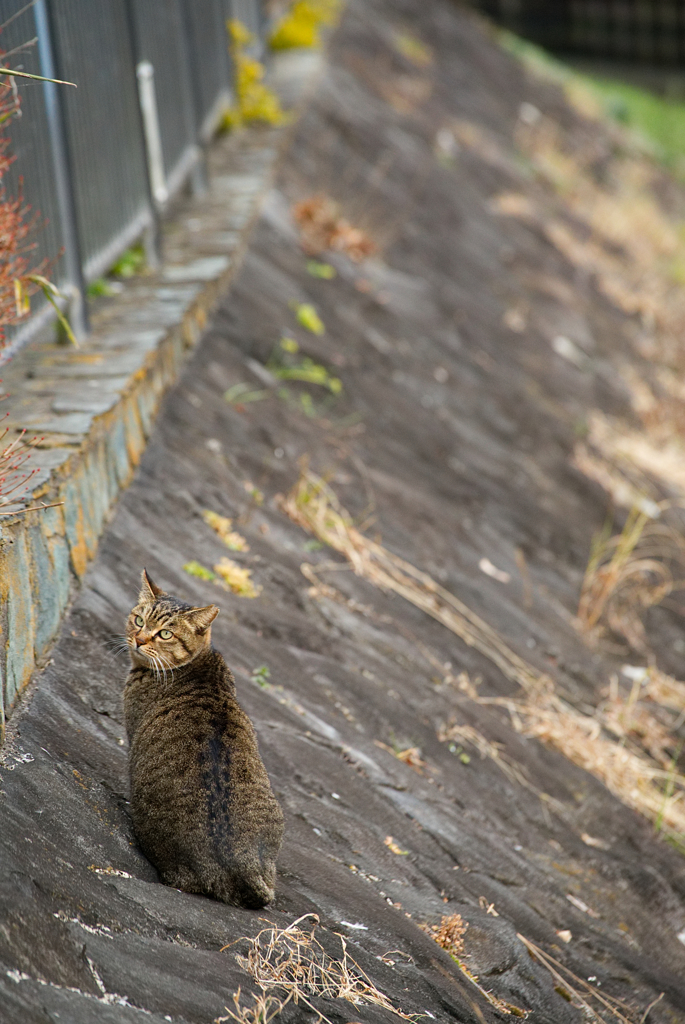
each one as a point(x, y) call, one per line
point(165, 634)
point(139, 621)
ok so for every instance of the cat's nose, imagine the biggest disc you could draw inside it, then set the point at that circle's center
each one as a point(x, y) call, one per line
point(138, 641)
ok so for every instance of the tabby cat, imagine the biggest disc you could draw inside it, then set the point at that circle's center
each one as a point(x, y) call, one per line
point(202, 806)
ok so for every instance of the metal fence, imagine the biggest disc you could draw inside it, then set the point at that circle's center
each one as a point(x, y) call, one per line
point(99, 164)
point(644, 31)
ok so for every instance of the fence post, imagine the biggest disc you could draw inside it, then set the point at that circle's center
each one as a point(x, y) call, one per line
point(77, 311)
point(152, 237)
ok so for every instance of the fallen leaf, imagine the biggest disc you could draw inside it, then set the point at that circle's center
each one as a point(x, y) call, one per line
point(393, 847)
point(237, 578)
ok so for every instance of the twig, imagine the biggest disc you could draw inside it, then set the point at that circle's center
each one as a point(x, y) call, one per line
point(17, 14)
point(649, 1009)
point(34, 508)
point(551, 964)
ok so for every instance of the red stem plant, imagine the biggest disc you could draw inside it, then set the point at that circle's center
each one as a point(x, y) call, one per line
point(18, 280)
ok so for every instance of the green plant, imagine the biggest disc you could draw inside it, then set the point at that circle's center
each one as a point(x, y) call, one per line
point(283, 366)
point(321, 270)
point(196, 569)
point(101, 287)
point(658, 121)
point(130, 263)
point(242, 394)
point(308, 318)
point(261, 675)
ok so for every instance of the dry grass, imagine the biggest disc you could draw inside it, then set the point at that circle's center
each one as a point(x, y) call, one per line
point(486, 748)
point(290, 965)
point(237, 578)
point(608, 744)
point(223, 527)
point(579, 992)
point(13, 482)
point(628, 573)
point(411, 756)
point(315, 507)
point(323, 227)
point(449, 934)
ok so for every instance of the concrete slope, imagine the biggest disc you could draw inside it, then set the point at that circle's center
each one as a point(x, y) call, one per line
point(455, 434)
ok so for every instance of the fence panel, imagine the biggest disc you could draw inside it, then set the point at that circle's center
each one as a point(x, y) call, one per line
point(251, 14)
point(644, 31)
point(84, 154)
point(93, 48)
point(159, 27)
point(32, 172)
point(208, 41)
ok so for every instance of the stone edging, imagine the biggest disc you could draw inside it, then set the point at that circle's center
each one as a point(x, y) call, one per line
point(95, 406)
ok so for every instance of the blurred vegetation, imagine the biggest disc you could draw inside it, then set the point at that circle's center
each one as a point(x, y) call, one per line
point(255, 101)
point(661, 121)
point(302, 24)
point(657, 122)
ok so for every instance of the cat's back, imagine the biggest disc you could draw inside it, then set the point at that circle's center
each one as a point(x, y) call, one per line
point(194, 761)
point(189, 720)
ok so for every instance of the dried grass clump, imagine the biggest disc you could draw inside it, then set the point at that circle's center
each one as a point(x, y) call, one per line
point(591, 742)
point(587, 740)
point(323, 227)
point(290, 965)
point(236, 578)
point(315, 507)
point(628, 573)
point(486, 748)
point(223, 527)
point(615, 225)
point(449, 933)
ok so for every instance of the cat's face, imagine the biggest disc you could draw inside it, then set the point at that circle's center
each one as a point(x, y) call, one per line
point(163, 633)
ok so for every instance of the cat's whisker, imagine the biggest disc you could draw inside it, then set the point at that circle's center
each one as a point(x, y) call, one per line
point(116, 640)
point(166, 665)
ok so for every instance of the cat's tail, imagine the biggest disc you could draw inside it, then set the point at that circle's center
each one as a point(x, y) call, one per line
point(248, 889)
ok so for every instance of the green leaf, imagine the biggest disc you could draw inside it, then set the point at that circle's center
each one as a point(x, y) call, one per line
point(38, 78)
point(195, 569)
point(322, 270)
point(309, 318)
point(52, 293)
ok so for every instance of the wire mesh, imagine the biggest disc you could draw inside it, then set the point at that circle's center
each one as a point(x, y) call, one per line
point(93, 49)
point(160, 38)
point(103, 144)
point(32, 172)
point(643, 31)
point(209, 59)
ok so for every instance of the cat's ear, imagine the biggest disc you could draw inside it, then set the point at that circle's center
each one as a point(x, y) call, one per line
point(202, 618)
point(149, 591)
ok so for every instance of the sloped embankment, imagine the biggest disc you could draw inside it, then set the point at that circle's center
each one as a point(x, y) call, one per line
point(506, 363)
